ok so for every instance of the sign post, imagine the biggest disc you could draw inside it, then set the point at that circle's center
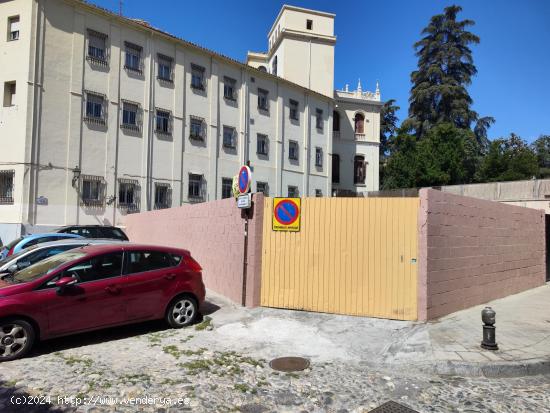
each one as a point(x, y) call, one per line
point(286, 214)
point(244, 201)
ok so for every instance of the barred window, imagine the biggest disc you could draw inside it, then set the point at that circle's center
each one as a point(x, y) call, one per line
point(335, 168)
point(131, 116)
point(133, 60)
point(13, 28)
point(293, 109)
point(262, 146)
point(92, 190)
point(163, 120)
point(293, 191)
point(6, 187)
point(165, 71)
point(97, 47)
point(318, 193)
point(163, 195)
point(96, 108)
point(227, 188)
point(293, 150)
point(197, 128)
point(196, 189)
point(319, 119)
point(229, 137)
point(229, 90)
point(319, 157)
point(129, 194)
point(263, 102)
point(262, 187)
point(197, 77)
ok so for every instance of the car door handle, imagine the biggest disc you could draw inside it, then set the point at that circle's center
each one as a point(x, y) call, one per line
point(112, 289)
point(170, 276)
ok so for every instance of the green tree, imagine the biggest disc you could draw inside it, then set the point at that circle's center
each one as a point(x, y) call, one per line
point(541, 147)
point(445, 69)
point(388, 126)
point(508, 159)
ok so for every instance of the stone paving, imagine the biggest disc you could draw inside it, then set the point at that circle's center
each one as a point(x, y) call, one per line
point(222, 365)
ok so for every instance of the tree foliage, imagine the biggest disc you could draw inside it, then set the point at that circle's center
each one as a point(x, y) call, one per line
point(541, 147)
point(388, 125)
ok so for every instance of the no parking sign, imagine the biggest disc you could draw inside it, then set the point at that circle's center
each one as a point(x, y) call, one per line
point(286, 214)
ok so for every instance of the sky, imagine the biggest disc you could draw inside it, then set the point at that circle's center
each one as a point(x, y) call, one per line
point(375, 43)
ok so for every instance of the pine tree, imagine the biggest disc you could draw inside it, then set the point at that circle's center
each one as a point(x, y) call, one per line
point(388, 126)
point(445, 69)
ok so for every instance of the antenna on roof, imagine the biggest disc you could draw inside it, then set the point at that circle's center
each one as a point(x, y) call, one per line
point(120, 7)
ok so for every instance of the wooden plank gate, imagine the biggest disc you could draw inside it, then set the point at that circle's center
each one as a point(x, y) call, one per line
point(355, 256)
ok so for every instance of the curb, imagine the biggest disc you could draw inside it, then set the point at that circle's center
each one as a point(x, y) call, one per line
point(500, 369)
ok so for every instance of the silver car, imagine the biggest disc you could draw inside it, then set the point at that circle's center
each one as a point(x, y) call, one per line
point(31, 255)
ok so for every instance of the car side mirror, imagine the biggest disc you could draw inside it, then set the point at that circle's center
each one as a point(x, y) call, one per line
point(64, 282)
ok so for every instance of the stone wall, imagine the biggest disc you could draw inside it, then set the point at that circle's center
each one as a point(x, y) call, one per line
point(472, 251)
point(214, 234)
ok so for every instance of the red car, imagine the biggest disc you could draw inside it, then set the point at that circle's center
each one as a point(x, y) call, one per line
point(94, 287)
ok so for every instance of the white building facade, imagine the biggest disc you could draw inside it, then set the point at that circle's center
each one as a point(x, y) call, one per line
point(104, 116)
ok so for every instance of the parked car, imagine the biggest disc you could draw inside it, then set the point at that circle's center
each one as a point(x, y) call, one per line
point(95, 231)
point(29, 240)
point(97, 286)
point(29, 256)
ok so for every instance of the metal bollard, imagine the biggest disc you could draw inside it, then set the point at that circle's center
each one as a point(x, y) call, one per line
point(489, 336)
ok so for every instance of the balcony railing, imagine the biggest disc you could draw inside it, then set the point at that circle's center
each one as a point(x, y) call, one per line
point(360, 137)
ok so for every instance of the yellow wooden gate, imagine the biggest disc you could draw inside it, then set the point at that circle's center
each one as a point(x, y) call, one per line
point(354, 256)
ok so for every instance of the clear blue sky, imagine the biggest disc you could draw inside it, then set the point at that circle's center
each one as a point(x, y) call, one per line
point(374, 42)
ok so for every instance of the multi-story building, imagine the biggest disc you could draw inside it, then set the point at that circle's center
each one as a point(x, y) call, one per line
point(104, 115)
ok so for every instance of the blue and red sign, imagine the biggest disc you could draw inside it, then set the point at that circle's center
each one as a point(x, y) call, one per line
point(286, 214)
point(245, 177)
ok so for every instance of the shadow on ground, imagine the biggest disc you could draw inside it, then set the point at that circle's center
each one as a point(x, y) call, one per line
point(110, 334)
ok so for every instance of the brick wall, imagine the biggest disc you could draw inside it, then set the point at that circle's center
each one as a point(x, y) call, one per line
point(472, 251)
point(214, 233)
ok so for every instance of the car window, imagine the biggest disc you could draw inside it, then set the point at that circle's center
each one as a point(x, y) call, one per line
point(141, 261)
point(13, 243)
point(46, 266)
point(97, 268)
point(48, 252)
point(35, 241)
point(176, 258)
point(114, 233)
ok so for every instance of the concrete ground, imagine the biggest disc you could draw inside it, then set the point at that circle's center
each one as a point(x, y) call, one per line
point(450, 345)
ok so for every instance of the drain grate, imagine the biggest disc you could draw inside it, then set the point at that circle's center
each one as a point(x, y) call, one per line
point(289, 364)
point(393, 407)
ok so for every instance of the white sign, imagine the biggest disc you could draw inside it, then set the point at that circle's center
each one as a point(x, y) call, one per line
point(244, 201)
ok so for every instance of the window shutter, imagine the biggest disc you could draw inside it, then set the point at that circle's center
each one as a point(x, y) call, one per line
point(234, 138)
point(170, 123)
point(203, 129)
point(203, 188)
point(104, 109)
point(139, 117)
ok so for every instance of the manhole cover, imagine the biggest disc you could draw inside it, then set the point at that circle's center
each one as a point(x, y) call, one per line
point(288, 364)
point(393, 407)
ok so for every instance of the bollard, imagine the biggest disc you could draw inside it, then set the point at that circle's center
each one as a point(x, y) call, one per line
point(489, 336)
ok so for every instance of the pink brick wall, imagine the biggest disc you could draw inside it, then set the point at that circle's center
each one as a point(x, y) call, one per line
point(214, 233)
point(472, 251)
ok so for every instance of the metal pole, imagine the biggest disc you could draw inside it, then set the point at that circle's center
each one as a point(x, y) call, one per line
point(245, 259)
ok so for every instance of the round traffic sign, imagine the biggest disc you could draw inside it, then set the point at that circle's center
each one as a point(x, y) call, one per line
point(245, 177)
point(286, 212)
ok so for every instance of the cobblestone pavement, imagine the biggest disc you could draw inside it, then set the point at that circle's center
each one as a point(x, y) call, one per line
point(148, 360)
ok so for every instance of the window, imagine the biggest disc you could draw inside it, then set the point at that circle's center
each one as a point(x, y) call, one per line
point(262, 68)
point(274, 66)
point(262, 187)
point(309, 24)
point(319, 119)
point(128, 194)
point(163, 120)
point(163, 198)
point(142, 261)
point(359, 170)
point(13, 28)
point(293, 191)
point(293, 109)
point(335, 121)
point(130, 115)
point(164, 68)
point(229, 91)
point(359, 123)
point(335, 168)
point(98, 268)
point(263, 103)
point(9, 93)
point(293, 150)
point(97, 47)
point(6, 187)
point(196, 191)
point(262, 146)
point(95, 108)
point(227, 188)
point(319, 157)
point(133, 57)
point(318, 193)
point(196, 128)
point(229, 137)
point(92, 190)
point(197, 77)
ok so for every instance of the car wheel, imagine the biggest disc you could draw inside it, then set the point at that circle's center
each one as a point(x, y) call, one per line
point(16, 339)
point(182, 311)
